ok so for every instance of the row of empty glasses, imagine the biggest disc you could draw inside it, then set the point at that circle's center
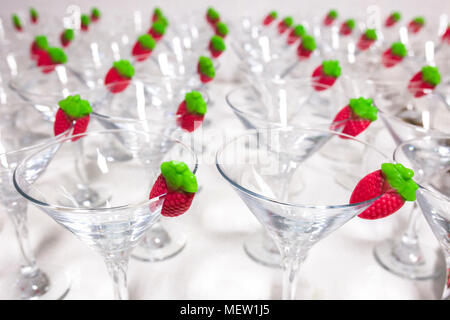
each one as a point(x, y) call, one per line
point(296, 81)
point(135, 125)
point(272, 64)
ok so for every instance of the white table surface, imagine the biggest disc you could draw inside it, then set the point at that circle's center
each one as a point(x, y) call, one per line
point(213, 265)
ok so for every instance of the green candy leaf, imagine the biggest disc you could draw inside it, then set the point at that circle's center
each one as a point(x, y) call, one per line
point(41, 42)
point(75, 107)
point(124, 68)
point(419, 20)
point(195, 102)
point(159, 27)
point(331, 68)
point(400, 178)
point(178, 176)
point(147, 41)
point(68, 34)
point(299, 30)
point(308, 43)
point(371, 34)
point(218, 43)
point(85, 20)
point(57, 55)
point(288, 21)
point(207, 67)
point(333, 14)
point(16, 21)
point(162, 19)
point(273, 14)
point(399, 49)
point(213, 14)
point(157, 12)
point(33, 13)
point(95, 12)
point(350, 23)
point(364, 108)
point(431, 75)
point(222, 28)
point(396, 15)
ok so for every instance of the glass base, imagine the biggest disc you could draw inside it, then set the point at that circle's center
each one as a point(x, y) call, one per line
point(426, 266)
point(52, 283)
point(261, 248)
point(159, 244)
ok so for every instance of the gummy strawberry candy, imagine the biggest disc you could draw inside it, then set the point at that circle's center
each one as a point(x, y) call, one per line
point(416, 24)
point(177, 185)
point(330, 18)
point(393, 185)
point(157, 13)
point(72, 111)
point(297, 33)
point(34, 16)
point(85, 22)
point(221, 29)
point(157, 30)
point(205, 69)
point(424, 81)
point(367, 39)
point(216, 46)
point(50, 58)
point(325, 75)
point(143, 47)
point(355, 117)
point(306, 47)
point(394, 55)
point(347, 27)
point(270, 18)
point(95, 14)
point(212, 16)
point(38, 47)
point(285, 24)
point(119, 76)
point(392, 19)
point(16, 22)
point(191, 111)
point(66, 37)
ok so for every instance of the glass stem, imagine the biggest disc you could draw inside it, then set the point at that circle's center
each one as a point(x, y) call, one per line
point(18, 215)
point(290, 276)
point(410, 236)
point(117, 265)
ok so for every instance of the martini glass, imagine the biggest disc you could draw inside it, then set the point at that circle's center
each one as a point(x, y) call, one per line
point(117, 227)
point(254, 164)
point(408, 118)
point(152, 104)
point(429, 157)
point(24, 131)
point(277, 104)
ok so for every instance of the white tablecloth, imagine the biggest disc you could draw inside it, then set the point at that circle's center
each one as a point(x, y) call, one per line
point(213, 265)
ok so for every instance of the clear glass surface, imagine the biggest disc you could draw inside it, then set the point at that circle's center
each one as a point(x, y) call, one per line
point(429, 157)
point(255, 165)
point(116, 227)
point(19, 137)
point(406, 117)
point(152, 105)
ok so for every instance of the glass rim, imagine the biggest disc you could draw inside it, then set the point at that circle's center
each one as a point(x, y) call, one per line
point(284, 203)
point(398, 151)
point(66, 209)
point(429, 131)
point(238, 110)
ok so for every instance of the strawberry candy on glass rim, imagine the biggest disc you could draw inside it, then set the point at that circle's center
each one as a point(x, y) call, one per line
point(115, 228)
